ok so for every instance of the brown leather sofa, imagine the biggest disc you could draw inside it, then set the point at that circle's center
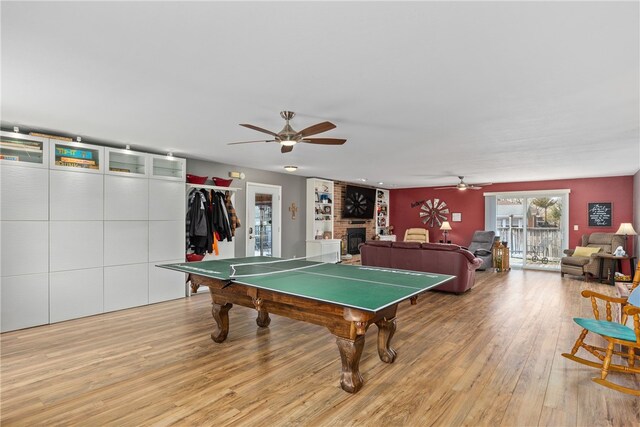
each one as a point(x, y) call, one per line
point(429, 257)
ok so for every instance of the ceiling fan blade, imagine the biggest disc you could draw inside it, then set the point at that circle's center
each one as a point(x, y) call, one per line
point(325, 141)
point(259, 129)
point(248, 142)
point(286, 148)
point(446, 188)
point(484, 184)
point(315, 129)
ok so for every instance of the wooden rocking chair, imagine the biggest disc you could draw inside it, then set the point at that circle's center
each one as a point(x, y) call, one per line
point(614, 333)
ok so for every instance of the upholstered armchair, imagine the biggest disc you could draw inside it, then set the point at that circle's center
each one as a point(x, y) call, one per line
point(589, 266)
point(416, 235)
point(480, 246)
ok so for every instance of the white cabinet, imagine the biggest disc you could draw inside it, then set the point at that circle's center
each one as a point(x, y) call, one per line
point(24, 193)
point(23, 150)
point(126, 286)
point(382, 212)
point(126, 242)
point(25, 247)
point(320, 208)
point(24, 301)
point(324, 250)
point(75, 230)
point(126, 198)
point(166, 284)
point(76, 293)
point(76, 196)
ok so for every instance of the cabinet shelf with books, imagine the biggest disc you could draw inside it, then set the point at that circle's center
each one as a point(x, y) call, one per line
point(23, 150)
point(76, 156)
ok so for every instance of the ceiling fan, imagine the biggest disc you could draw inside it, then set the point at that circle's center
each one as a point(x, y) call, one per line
point(464, 186)
point(288, 137)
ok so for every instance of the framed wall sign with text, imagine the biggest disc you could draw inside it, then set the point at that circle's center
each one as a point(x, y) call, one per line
point(600, 214)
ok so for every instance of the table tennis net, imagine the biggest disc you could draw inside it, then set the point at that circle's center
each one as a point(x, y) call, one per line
point(265, 268)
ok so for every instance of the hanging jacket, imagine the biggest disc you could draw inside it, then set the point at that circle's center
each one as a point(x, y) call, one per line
point(220, 218)
point(234, 221)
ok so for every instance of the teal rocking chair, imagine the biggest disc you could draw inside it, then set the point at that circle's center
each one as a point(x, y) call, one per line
point(627, 339)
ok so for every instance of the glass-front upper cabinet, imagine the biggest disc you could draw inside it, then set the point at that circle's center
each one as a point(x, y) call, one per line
point(23, 150)
point(76, 156)
point(126, 162)
point(168, 167)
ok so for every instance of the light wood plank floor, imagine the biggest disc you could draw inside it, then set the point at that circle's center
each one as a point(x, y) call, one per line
point(487, 358)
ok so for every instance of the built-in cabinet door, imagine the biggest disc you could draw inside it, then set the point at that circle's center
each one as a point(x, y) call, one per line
point(25, 247)
point(126, 198)
point(76, 293)
point(166, 284)
point(126, 242)
point(24, 193)
point(166, 240)
point(166, 200)
point(76, 245)
point(24, 301)
point(76, 196)
point(126, 286)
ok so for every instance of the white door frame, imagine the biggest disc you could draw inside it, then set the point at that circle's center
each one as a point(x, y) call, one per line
point(276, 224)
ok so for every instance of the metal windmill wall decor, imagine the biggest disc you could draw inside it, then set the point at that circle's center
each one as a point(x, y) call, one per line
point(434, 212)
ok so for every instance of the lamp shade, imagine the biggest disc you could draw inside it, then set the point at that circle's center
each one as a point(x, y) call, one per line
point(445, 226)
point(626, 229)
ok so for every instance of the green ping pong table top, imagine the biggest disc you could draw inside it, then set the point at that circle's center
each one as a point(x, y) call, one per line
point(360, 287)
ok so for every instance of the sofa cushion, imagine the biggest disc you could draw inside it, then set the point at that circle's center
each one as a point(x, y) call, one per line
point(406, 245)
point(441, 246)
point(384, 243)
point(578, 261)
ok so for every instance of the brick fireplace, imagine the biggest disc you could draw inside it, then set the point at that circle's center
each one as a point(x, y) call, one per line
point(341, 225)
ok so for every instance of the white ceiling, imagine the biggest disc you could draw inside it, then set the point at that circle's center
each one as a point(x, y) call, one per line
point(495, 91)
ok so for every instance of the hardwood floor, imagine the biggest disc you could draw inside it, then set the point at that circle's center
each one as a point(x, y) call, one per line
point(487, 358)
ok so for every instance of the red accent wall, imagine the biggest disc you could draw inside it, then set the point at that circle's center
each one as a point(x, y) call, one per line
point(470, 203)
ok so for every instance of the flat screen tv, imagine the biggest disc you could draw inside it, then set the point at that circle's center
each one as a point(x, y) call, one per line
point(359, 202)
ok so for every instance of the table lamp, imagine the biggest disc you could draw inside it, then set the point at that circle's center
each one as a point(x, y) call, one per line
point(626, 229)
point(445, 227)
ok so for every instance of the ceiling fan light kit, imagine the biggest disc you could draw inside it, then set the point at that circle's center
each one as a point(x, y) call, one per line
point(288, 137)
point(291, 168)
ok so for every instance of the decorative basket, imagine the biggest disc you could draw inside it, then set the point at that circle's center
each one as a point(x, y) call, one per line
point(194, 179)
point(221, 182)
point(194, 257)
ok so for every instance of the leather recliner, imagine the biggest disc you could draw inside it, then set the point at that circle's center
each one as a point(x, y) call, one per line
point(590, 266)
point(481, 245)
point(420, 235)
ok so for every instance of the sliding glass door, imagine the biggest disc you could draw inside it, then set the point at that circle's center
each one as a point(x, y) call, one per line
point(534, 227)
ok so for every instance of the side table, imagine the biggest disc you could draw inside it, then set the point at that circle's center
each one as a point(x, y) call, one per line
point(617, 265)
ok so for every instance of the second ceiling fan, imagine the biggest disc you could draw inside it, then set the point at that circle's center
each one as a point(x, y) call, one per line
point(288, 137)
point(464, 186)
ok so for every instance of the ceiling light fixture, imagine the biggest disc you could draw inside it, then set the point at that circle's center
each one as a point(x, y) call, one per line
point(381, 183)
point(291, 168)
point(363, 179)
point(288, 142)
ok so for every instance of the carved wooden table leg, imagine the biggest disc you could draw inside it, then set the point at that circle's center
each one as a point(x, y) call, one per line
point(350, 352)
point(221, 316)
point(194, 288)
point(263, 318)
point(386, 329)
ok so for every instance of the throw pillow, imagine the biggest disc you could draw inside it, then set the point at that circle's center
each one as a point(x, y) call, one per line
point(585, 251)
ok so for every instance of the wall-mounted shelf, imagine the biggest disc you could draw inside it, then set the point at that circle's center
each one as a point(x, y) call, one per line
point(23, 150)
point(382, 212)
point(213, 187)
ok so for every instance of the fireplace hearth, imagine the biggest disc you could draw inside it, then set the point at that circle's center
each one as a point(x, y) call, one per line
point(355, 236)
